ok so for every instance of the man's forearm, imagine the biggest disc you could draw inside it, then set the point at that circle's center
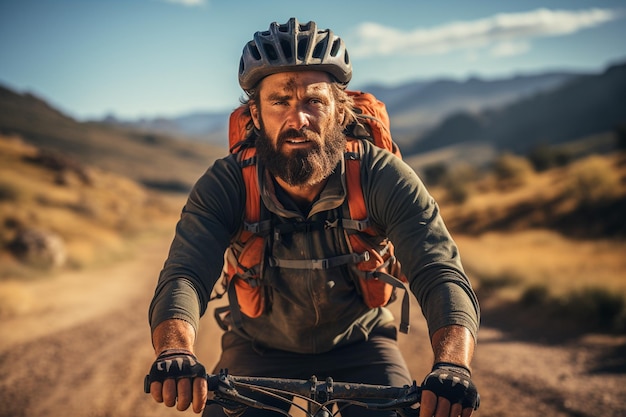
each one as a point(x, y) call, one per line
point(173, 334)
point(454, 344)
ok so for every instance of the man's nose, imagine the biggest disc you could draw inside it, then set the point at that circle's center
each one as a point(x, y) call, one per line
point(298, 118)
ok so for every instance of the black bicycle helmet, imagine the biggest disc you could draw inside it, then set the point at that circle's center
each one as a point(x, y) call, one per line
point(293, 47)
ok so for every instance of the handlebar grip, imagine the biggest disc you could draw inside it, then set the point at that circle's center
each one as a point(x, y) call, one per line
point(212, 381)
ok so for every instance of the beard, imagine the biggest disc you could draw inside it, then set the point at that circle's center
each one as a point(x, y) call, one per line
point(302, 167)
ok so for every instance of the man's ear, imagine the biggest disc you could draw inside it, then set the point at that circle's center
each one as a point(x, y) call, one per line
point(254, 113)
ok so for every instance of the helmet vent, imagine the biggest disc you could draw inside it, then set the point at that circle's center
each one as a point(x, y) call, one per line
point(270, 51)
point(254, 51)
point(319, 50)
point(335, 48)
point(241, 66)
point(286, 47)
point(302, 48)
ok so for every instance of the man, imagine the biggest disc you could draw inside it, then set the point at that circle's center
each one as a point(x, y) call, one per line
point(313, 320)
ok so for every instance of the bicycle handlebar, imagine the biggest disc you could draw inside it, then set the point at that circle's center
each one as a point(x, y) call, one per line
point(319, 393)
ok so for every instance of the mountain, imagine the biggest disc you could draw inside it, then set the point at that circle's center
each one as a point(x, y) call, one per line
point(507, 114)
point(418, 106)
point(154, 159)
point(413, 107)
point(583, 106)
point(210, 127)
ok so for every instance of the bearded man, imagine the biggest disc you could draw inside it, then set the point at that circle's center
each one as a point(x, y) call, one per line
point(312, 318)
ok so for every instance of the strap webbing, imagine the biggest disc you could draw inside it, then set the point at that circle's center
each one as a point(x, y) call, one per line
point(356, 201)
point(235, 312)
point(395, 282)
point(352, 258)
point(247, 160)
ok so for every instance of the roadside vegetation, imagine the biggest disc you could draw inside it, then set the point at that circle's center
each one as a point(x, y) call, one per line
point(57, 213)
point(543, 232)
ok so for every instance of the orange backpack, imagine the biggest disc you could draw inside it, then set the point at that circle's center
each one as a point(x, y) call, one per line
point(379, 271)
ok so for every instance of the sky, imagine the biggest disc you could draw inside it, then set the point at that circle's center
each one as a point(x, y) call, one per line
point(149, 58)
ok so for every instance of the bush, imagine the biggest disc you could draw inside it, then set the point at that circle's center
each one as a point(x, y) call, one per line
point(8, 192)
point(536, 295)
point(434, 174)
point(593, 306)
point(545, 157)
point(512, 169)
point(598, 304)
point(504, 279)
point(457, 191)
point(456, 182)
point(592, 181)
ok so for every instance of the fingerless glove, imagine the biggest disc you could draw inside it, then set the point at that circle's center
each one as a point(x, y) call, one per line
point(454, 383)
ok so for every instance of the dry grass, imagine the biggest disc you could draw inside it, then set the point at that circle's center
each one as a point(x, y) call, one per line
point(575, 200)
point(505, 229)
point(97, 213)
point(541, 257)
point(14, 299)
point(546, 243)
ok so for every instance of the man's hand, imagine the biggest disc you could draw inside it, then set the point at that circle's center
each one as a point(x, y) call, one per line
point(448, 391)
point(177, 378)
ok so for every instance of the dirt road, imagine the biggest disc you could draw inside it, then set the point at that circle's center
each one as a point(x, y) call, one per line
point(81, 347)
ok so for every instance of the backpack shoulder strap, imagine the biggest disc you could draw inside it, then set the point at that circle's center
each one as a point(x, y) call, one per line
point(358, 214)
point(354, 189)
point(247, 161)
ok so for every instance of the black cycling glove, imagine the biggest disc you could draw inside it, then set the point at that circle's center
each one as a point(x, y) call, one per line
point(177, 364)
point(454, 383)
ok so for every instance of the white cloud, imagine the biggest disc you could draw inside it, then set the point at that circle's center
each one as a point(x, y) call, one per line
point(504, 49)
point(506, 34)
point(188, 3)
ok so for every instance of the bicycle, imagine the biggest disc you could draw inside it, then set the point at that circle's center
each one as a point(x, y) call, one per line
point(319, 396)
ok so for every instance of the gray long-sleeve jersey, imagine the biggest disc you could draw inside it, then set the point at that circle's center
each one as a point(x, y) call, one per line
point(315, 310)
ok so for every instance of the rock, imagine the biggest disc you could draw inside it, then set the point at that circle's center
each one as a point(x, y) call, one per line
point(39, 248)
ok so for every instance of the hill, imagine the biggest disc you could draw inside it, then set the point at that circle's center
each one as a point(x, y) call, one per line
point(80, 190)
point(209, 127)
point(56, 211)
point(584, 106)
point(414, 107)
point(156, 160)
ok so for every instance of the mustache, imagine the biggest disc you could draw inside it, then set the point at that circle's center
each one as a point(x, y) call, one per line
point(306, 133)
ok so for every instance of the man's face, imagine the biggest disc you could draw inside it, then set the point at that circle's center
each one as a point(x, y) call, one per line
point(301, 139)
